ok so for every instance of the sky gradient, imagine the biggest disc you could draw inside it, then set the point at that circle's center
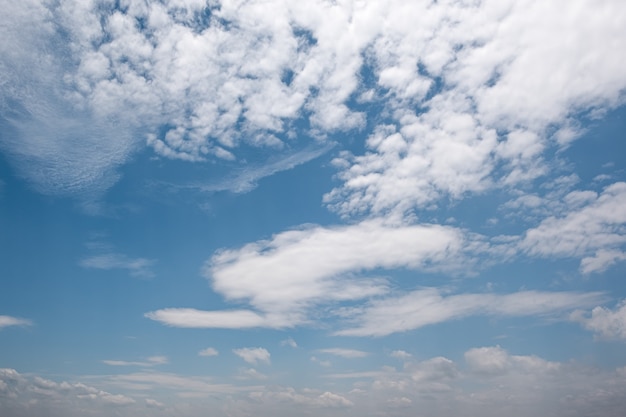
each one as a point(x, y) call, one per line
point(279, 208)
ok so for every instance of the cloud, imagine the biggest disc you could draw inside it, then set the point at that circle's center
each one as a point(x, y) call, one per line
point(137, 267)
point(344, 353)
point(592, 230)
point(606, 323)
point(251, 373)
point(151, 361)
point(289, 342)
point(311, 399)
point(253, 355)
point(192, 318)
point(429, 306)
point(18, 390)
point(245, 179)
point(284, 279)
point(105, 86)
point(496, 361)
point(400, 354)
point(208, 352)
point(6, 321)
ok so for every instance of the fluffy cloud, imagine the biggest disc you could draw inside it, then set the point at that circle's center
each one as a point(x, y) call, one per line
point(606, 323)
point(593, 228)
point(194, 80)
point(253, 355)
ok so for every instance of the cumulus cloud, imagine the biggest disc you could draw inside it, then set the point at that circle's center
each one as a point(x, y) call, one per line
point(195, 80)
point(6, 321)
point(253, 355)
point(592, 229)
point(606, 323)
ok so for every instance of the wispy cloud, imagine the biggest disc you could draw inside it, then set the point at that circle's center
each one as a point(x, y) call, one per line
point(149, 362)
point(430, 306)
point(6, 321)
point(137, 267)
point(345, 353)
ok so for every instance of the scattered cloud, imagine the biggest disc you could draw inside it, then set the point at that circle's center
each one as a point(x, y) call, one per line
point(253, 355)
point(592, 229)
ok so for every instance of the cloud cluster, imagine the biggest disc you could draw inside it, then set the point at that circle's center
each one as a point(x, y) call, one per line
point(195, 80)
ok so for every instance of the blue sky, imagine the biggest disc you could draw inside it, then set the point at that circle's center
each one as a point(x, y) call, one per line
point(275, 208)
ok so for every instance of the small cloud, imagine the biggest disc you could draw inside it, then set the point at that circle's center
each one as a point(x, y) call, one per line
point(137, 267)
point(345, 353)
point(251, 373)
point(253, 355)
point(6, 321)
point(604, 322)
point(151, 361)
point(400, 354)
point(150, 403)
point(208, 352)
point(325, 364)
point(289, 342)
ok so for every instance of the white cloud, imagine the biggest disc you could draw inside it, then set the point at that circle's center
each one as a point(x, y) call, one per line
point(169, 80)
point(592, 229)
point(606, 323)
point(26, 390)
point(137, 267)
point(151, 361)
point(429, 306)
point(400, 354)
point(284, 278)
point(208, 352)
point(345, 353)
point(228, 319)
point(289, 342)
point(310, 399)
point(6, 321)
point(253, 355)
point(496, 361)
point(251, 373)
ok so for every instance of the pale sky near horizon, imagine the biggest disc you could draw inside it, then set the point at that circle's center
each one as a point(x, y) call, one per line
point(280, 207)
